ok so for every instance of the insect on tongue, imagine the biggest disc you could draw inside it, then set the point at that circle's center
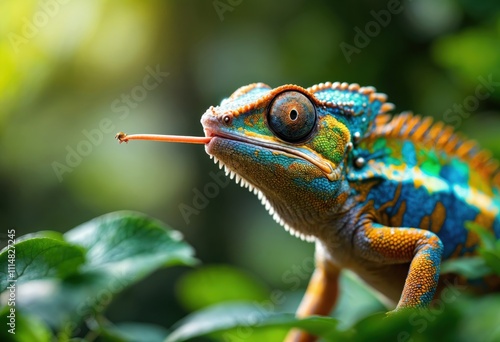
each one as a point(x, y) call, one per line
point(122, 137)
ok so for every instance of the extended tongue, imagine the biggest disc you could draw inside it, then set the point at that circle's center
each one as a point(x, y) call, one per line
point(122, 137)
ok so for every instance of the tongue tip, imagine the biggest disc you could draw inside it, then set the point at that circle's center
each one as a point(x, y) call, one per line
point(121, 137)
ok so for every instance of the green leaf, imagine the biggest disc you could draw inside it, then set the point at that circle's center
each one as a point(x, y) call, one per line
point(129, 244)
point(490, 247)
point(471, 267)
point(492, 259)
point(42, 234)
point(481, 318)
point(220, 284)
point(26, 328)
point(225, 317)
point(488, 240)
point(39, 258)
point(356, 300)
point(134, 332)
point(122, 248)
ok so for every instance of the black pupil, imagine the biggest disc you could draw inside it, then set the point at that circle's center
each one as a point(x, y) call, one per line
point(293, 114)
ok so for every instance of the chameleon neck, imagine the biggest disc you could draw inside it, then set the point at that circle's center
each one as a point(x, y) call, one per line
point(312, 215)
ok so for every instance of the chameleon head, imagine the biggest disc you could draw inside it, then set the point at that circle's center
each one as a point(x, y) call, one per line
point(290, 145)
point(286, 146)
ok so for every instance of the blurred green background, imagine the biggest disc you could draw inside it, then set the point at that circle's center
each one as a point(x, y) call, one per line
point(73, 73)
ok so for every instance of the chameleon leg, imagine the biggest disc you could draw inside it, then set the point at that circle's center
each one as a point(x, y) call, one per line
point(319, 299)
point(421, 248)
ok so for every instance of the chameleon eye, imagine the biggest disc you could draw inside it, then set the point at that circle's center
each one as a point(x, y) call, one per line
point(292, 116)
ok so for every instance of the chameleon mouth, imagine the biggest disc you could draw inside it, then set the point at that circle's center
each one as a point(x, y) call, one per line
point(332, 173)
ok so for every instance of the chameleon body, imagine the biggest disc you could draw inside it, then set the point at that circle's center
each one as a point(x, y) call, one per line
point(388, 197)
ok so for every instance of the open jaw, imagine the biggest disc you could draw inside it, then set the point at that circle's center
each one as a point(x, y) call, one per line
point(330, 172)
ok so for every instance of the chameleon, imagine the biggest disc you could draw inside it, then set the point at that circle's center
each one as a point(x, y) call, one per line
point(385, 196)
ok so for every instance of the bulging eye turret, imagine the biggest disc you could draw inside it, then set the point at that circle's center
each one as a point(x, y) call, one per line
point(292, 116)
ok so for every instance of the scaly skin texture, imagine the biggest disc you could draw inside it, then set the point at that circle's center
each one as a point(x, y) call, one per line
point(386, 197)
